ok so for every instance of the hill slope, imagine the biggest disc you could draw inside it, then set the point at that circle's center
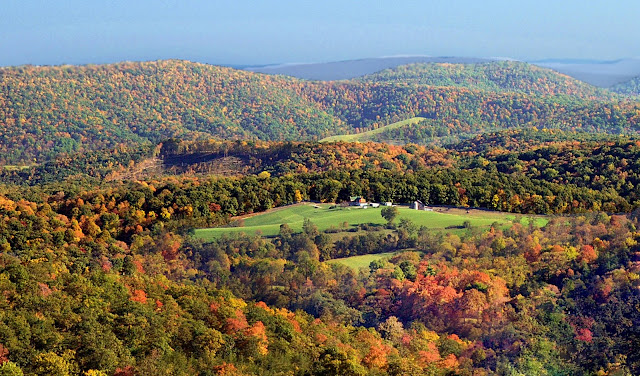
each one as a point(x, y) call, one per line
point(48, 111)
point(631, 87)
point(510, 76)
point(369, 135)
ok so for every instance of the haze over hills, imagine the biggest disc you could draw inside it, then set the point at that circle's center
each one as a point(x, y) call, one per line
point(344, 70)
point(598, 73)
point(602, 74)
point(631, 87)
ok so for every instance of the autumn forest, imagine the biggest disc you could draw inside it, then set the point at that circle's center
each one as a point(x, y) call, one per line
point(110, 173)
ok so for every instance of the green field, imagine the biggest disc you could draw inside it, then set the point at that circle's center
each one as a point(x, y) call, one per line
point(362, 261)
point(365, 136)
point(268, 223)
point(17, 168)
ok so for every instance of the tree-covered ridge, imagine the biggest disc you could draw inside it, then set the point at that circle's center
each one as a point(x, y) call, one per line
point(94, 165)
point(510, 76)
point(281, 158)
point(606, 165)
point(226, 158)
point(473, 114)
point(603, 163)
point(471, 111)
point(46, 111)
point(525, 139)
point(631, 87)
point(534, 172)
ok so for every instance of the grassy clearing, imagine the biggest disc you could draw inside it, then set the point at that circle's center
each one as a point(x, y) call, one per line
point(362, 261)
point(538, 221)
point(16, 167)
point(365, 136)
point(268, 223)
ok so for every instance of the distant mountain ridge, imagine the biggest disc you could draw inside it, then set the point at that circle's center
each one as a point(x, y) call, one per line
point(631, 87)
point(348, 69)
point(601, 73)
point(510, 76)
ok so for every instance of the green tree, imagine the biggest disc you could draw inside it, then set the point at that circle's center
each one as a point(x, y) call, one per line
point(50, 363)
point(310, 229)
point(389, 213)
point(334, 361)
point(10, 369)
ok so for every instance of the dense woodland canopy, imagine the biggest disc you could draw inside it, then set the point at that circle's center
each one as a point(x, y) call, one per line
point(46, 111)
point(505, 76)
point(105, 171)
point(109, 279)
point(539, 171)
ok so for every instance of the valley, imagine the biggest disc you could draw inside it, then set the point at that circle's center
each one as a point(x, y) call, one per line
point(178, 218)
point(333, 218)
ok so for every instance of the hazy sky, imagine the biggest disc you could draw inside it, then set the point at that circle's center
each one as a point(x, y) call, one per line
point(46, 32)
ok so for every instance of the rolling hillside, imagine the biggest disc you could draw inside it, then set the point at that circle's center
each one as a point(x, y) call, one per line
point(522, 140)
point(46, 112)
point(49, 110)
point(504, 76)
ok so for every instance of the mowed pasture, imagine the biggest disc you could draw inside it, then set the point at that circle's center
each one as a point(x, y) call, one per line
point(326, 216)
point(366, 136)
point(361, 261)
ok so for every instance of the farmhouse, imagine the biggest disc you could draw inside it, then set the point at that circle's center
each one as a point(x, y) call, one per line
point(358, 201)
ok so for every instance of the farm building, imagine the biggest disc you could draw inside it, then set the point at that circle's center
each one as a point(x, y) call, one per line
point(417, 205)
point(358, 201)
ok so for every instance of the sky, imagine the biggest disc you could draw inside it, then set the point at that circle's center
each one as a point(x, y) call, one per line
point(240, 32)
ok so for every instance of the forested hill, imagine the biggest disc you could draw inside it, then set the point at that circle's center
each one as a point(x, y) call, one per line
point(603, 163)
point(523, 140)
point(69, 108)
point(48, 111)
point(510, 76)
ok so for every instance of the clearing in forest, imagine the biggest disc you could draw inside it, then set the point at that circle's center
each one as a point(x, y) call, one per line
point(327, 216)
point(366, 136)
